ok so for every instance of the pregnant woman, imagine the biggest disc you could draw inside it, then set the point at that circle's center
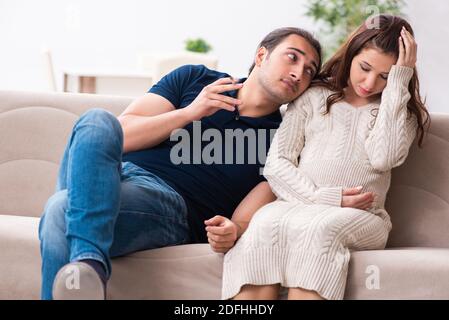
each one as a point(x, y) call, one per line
point(353, 126)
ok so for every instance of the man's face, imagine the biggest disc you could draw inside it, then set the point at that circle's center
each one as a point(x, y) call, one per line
point(286, 72)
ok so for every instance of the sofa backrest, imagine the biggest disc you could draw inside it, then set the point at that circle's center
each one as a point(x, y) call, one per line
point(418, 199)
point(34, 128)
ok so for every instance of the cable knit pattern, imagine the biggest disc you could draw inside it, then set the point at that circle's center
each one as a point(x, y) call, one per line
point(304, 238)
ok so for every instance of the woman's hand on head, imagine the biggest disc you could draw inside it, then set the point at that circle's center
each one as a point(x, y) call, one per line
point(407, 50)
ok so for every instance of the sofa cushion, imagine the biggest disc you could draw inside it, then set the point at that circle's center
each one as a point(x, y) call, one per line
point(402, 273)
point(20, 261)
point(35, 128)
point(418, 200)
point(194, 271)
point(180, 272)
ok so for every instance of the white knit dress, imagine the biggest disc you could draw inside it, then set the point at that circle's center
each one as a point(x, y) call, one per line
point(304, 238)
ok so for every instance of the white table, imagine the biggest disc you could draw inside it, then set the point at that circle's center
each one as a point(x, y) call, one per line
point(116, 82)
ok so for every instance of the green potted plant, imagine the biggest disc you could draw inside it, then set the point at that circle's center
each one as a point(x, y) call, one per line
point(338, 18)
point(197, 45)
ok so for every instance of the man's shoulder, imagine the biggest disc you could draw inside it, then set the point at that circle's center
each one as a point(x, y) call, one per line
point(183, 77)
point(200, 70)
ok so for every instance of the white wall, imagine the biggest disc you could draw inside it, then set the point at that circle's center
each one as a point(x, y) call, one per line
point(429, 20)
point(109, 34)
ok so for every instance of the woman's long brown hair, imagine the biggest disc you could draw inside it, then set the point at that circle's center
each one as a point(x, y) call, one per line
point(380, 32)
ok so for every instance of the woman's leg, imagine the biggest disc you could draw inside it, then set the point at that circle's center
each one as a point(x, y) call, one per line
point(255, 292)
point(324, 238)
point(303, 294)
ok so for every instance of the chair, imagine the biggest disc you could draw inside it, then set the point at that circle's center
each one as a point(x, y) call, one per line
point(159, 64)
point(49, 69)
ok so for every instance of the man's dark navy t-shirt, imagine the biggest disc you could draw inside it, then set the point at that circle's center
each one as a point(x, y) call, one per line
point(209, 187)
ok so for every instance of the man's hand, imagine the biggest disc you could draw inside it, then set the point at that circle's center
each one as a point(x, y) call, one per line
point(221, 233)
point(354, 199)
point(210, 99)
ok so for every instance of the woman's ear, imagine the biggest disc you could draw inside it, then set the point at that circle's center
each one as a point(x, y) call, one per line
point(260, 56)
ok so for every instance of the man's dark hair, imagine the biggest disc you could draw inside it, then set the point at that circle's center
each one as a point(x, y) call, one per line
point(275, 37)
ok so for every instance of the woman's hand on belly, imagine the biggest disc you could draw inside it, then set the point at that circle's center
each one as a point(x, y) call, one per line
point(353, 198)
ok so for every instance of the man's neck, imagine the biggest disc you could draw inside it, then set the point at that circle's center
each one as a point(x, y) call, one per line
point(255, 103)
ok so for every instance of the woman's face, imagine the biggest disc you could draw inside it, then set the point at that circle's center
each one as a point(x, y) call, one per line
point(369, 72)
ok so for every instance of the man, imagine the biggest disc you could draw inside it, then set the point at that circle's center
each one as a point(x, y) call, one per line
point(122, 189)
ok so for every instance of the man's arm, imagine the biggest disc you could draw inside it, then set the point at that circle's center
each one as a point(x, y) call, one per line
point(150, 114)
point(222, 233)
point(151, 119)
point(254, 200)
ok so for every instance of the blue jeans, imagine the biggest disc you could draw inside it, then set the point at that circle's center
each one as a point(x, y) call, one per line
point(103, 207)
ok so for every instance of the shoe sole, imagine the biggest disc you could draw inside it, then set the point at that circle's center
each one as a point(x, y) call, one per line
point(78, 281)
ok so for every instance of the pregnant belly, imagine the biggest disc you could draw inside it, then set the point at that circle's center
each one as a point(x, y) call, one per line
point(347, 174)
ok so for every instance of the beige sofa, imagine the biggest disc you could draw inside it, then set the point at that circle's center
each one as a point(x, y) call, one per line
point(34, 128)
